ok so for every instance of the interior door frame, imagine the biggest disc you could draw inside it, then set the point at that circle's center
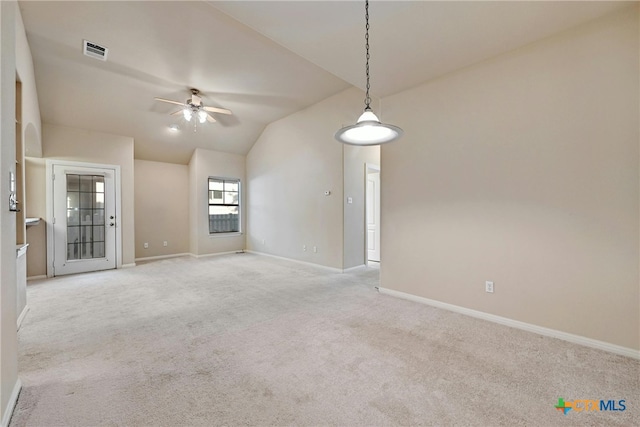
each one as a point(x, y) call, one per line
point(369, 168)
point(50, 163)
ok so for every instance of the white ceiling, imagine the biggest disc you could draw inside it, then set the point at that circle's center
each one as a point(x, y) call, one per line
point(264, 60)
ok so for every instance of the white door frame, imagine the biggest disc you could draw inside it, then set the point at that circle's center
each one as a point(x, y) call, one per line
point(368, 168)
point(50, 163)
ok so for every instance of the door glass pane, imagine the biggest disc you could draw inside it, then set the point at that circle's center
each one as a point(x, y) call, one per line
point(98, 182)
point(86, 183)
point(98, 217)
point(73, 251)
point(73, 199)
point(73, 182)
point(98, 200)
point(85, 216)
point(86, 250)
point(98, 233)
point(86, 234)
point(73, 217)
point(98, 250)
point(86, 200)
point(73, 235)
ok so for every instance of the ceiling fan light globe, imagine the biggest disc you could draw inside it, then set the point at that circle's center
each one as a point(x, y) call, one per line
point(187, 114)
point(202, 116)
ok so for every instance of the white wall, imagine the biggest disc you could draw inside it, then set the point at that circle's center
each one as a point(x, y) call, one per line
point(524, 170)
point(65, 143)
point(161, 208)
point(295, 160)
point(205, 164)
point(30, 114)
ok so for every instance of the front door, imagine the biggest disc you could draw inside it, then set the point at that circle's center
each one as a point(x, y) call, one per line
point(84, 223)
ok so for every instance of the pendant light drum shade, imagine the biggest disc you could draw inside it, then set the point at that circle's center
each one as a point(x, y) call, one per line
point(368, 130)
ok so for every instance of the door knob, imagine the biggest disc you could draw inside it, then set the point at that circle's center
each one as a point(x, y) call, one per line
point(112, 224)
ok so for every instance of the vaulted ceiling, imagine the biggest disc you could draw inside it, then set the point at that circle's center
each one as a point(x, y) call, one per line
point(262, 59)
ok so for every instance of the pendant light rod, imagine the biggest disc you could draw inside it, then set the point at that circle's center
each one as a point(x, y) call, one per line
point(368, 130)
point(367, 98)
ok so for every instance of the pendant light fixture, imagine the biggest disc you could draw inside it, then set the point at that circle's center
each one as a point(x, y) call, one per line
point(368, 130)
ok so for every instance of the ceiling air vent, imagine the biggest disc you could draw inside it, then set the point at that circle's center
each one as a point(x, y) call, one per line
point(95, 50)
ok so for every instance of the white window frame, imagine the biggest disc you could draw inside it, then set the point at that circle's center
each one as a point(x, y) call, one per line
point(240, 208)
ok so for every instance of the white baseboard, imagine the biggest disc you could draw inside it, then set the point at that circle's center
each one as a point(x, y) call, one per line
point(332, 269)
point(13, 399)
point(133, 264)
point(22, 315)
point(43, 276)
point(152, 258)
point(215, 254)
point(553, 333)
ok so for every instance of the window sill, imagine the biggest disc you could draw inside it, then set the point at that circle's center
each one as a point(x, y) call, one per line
point(222, 235)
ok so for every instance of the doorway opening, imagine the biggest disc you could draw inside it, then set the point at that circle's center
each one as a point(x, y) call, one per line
point(372, 215)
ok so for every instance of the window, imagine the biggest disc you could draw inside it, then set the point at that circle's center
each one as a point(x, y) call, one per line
point(224, 205)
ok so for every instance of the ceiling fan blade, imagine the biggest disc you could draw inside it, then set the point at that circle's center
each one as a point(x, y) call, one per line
point(210, 118)
point(170, 101)
point(177, 112)
point(217, 110)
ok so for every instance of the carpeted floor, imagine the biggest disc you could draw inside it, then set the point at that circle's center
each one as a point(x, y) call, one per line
point(251, 340)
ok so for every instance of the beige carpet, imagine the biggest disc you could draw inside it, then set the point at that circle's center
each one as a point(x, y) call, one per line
point(250, 340)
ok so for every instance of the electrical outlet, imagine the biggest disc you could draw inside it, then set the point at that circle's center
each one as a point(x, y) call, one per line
point(165, 243)
point(488, 287)
point(315, 249)
point(264, 242)
point(146, 245)
point(304, 248)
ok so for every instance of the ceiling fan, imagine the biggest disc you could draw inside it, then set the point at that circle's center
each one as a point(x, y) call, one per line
point(193, 108)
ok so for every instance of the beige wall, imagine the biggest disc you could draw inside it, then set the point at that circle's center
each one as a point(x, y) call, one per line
point(36, 207)
point(30, 108)
point(293, 163)
point(65, 143)
point(162, 208)
point(355, 160)
point(203, 164)
point(524, 170)
point(193, 204)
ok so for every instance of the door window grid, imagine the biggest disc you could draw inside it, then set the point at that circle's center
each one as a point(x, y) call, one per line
point(85, 217)
point(224, 205)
